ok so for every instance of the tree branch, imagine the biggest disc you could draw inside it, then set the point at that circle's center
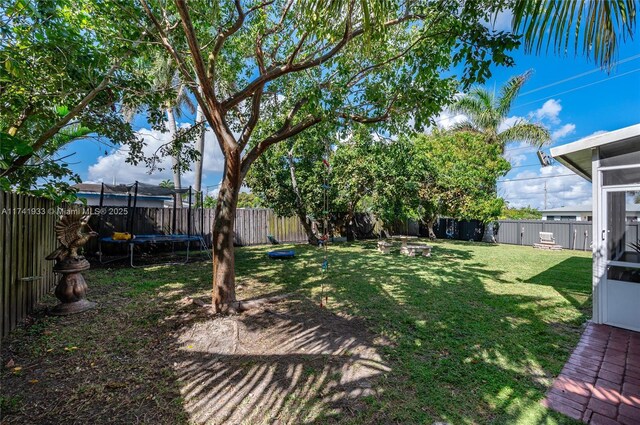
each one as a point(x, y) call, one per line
point(207, 104)
point(44, 137)
point(205, 83)
point(222, 36)
point(253, 119)
point(286, 131)
point(26, 113)
point(306, 64)
point(369, 120)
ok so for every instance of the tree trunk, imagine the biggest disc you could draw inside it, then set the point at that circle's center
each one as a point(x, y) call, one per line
point(308, 227)
point(432, 234)
point(173, 131)
point(489, 233)
point(224, 286)
point(200, 148)
point(349, 227)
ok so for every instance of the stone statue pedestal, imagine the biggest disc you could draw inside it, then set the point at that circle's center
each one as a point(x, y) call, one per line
point(72, 288)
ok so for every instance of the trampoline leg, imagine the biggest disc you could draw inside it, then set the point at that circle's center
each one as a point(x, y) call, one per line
point(131, 254)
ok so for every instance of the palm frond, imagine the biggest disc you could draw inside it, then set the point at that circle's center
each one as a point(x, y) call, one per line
point(596, 24)
point(509, 92)
point(465, 126)
point(523, 131)
point(467, 105)
point(484, 96)
point(183, 100)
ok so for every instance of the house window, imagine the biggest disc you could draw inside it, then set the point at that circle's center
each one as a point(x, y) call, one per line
point(568, 217)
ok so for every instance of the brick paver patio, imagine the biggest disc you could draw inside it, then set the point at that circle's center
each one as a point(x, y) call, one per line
point(600, 384)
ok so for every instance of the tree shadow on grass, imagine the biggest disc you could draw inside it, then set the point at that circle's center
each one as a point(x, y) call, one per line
point(294, 363)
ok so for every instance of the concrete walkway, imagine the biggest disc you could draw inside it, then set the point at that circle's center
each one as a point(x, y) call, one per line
point(600, 384)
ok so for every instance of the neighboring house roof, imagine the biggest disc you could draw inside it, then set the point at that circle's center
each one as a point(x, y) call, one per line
point(144, 191)
point(577, 155)
point(585, 208)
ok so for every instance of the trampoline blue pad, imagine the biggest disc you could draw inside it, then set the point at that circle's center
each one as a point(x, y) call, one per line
point(142, 239)
point(282, 253)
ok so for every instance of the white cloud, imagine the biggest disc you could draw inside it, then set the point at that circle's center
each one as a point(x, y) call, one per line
point(561, 189)
point(508, 123)
point(448, 119)
point(549, 110)
point(595, 133)
point(515, 160)
point(563, 131)
point(114, 165)
point(501, 21)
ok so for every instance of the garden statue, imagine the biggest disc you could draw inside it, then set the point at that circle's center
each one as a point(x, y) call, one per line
point(72, 288)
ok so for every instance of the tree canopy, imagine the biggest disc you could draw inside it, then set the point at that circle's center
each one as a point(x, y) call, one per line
point(66, 70)
point(465, 170)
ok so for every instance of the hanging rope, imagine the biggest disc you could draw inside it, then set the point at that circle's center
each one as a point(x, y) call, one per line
point(325, 230)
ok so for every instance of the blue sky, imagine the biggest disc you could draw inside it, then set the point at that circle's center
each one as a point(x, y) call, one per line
point(594, 102)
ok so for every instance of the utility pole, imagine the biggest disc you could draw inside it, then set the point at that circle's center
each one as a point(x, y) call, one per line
point(545, 194)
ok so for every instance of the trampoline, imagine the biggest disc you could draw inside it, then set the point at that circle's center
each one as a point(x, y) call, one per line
point(281, 253)
point(140, 240)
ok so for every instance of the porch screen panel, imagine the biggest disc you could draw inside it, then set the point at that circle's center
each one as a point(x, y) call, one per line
point(621, 177)
point(616, 225)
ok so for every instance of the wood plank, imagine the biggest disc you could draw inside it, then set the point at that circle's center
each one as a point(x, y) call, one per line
point(51, 243)
point(5, 241)
point(29, 255)
point(16, 260)
point(37, 227)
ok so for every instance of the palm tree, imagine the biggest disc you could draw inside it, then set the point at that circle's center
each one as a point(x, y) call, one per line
point(166, 78)
point(486, 112)
point(600, 24)
point(200, 120)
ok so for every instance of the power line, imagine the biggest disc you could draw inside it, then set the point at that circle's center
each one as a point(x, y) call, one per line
point(528, 165)
point(629, 59)
point(577, 88)
point(537, 178)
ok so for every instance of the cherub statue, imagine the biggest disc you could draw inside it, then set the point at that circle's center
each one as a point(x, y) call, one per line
point(69, 230)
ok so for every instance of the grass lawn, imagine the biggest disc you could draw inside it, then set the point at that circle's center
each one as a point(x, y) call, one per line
point(471, 335)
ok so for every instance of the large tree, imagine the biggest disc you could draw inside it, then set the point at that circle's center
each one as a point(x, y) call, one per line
point(271, 70)
point(292, 178)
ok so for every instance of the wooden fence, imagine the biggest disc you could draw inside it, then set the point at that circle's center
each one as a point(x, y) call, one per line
point(252, 226)
point(26, 237)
